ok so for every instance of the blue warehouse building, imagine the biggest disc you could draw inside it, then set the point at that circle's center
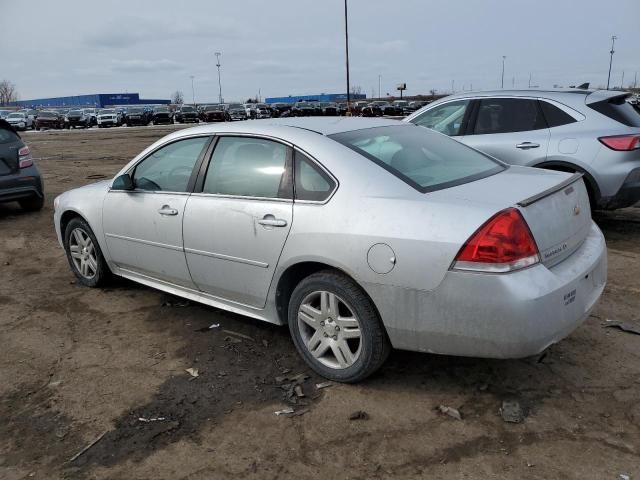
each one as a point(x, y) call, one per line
point(322, 97)
point(98, 100)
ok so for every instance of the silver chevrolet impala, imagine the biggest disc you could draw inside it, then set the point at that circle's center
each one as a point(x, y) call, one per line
point(360, 234)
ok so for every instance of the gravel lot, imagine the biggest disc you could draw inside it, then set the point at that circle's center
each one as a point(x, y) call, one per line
point(79, 364)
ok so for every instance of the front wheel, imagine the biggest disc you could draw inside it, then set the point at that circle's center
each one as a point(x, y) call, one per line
point(84, 254)
point(336, 328)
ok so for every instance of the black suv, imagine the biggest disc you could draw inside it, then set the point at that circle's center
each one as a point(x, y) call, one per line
point(19, 177)
point(161, 115)
point(186, 113)
point(137, 116)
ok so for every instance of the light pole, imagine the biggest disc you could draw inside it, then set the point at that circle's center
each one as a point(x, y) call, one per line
point(613, 42)
point(193, 91)
point(504, 57)
point(346, 47)
point(379, 86)
point(218, 55)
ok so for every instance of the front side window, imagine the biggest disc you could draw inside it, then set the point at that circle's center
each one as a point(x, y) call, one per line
point(311, 183)
point(249, 167)
point(507, 115)
point(169, 168)
point(446, 118)
point(421, 158)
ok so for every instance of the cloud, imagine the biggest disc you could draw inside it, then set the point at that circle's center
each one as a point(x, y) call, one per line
point(138, 66)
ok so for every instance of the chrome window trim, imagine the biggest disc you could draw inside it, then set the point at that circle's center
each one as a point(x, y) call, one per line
point(241, 197)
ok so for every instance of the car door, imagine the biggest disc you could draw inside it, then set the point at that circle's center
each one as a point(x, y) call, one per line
point(510, 129)
point(143, 226)
point(237, 221)
point(450, 118)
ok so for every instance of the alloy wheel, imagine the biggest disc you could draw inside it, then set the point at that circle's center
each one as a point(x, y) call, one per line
point(330, 330)
point(83, 253)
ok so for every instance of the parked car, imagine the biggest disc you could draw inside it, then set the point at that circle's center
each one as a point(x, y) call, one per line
point(137, 116)
point(414, 106)
point(92, 115)
point(329, 109)
point(302, 109)
point(4, 114)
point(20, 179)
point(262, 110)
point(237, 111)
point(109, 117)
point(186, 114)
point(161, 115)
point(19, 120)
point(387, 108)
point(76, 118)
point(371, 110)
point(32, 114)
point(280, 109)
point(467, 255)
point(595, 133)
point(215, 113)
point(49, 119)
point(250, 109)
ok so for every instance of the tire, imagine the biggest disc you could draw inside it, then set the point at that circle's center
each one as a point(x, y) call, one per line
point(32, 204)
point(97, 272)
point(356, 316)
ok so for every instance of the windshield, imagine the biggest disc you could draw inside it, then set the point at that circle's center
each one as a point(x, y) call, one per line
point(47, 115)
point(135, 110)
point(425, 160)
point(213, 108)
point(235, 106)
point(187, 109)
point(107, 112)
point(75, 112)
point(16, 115)
point(161, 110)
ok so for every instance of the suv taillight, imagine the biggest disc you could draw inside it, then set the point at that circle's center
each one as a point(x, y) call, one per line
point(24, 157)
point(503, 244)
point(621, 143)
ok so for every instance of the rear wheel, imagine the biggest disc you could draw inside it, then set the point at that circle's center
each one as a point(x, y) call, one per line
point(32, 204)
point(84, 254)
point(336, 328)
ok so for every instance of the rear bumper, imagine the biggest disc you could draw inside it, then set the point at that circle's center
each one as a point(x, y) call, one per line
point(627, 195)
point(497, 316)
point(26, 184)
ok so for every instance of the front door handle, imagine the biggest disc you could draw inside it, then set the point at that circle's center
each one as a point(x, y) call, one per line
point(271, 221)
point(167, 210)
point(527, 145)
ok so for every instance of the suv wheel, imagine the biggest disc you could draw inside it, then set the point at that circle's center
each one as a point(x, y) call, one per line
point(336, 328)
point(84, 254)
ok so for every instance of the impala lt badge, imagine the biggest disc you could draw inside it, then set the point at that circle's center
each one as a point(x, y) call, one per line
point(576, 210)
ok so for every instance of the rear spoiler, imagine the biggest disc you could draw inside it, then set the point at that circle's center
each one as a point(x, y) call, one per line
point(550, 191)
point(604, 95)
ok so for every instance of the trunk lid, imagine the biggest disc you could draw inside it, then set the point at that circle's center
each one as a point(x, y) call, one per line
point(555, 206)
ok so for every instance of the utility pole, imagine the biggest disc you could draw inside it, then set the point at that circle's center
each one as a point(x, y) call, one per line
point(622, 81)
point(613, 42)
point(346, 47)
point(453, 86)
point(504, 57)
point(193, 91)
point(218, 55)
point(529, 79)
point(379, 86)
point(635, 81)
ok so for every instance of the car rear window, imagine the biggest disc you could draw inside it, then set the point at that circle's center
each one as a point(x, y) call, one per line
point(426, 160)
point(618, 109)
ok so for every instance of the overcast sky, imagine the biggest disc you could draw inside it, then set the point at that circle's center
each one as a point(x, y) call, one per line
point(293, 47)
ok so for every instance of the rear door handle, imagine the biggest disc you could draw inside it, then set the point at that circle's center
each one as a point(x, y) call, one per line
point(271, 221)
point(527, 145)
point(167, 210)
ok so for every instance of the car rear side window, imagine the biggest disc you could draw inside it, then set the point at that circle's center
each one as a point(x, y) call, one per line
point(311, 183)
point(425, 160)
point(446, 118)
point(506, 115)
point(169, 168)
point(249, 167)
point(554, 116)
point(619, 110)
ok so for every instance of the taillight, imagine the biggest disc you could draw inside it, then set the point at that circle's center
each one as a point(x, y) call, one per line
point(503, 244)
point(24, 157)
point(621, 143)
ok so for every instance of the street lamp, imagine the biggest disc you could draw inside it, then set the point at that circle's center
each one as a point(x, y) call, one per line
point(613, 42)
point(193, 91)
point(218, 55)
point(504, 57)
point(346, 46)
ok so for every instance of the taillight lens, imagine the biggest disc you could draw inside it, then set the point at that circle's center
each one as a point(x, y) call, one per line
point(621, 143)
point(503, 244)
point(24, 157)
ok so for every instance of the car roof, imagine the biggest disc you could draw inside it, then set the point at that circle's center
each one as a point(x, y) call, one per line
point(321, 125)
point(553, 94)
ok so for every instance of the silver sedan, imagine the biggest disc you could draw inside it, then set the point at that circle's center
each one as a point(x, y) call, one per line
point(359, 234)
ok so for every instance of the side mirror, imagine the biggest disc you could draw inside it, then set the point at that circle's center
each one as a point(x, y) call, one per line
point(123, 182)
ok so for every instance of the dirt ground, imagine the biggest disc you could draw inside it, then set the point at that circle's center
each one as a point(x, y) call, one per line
point(79, 365)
